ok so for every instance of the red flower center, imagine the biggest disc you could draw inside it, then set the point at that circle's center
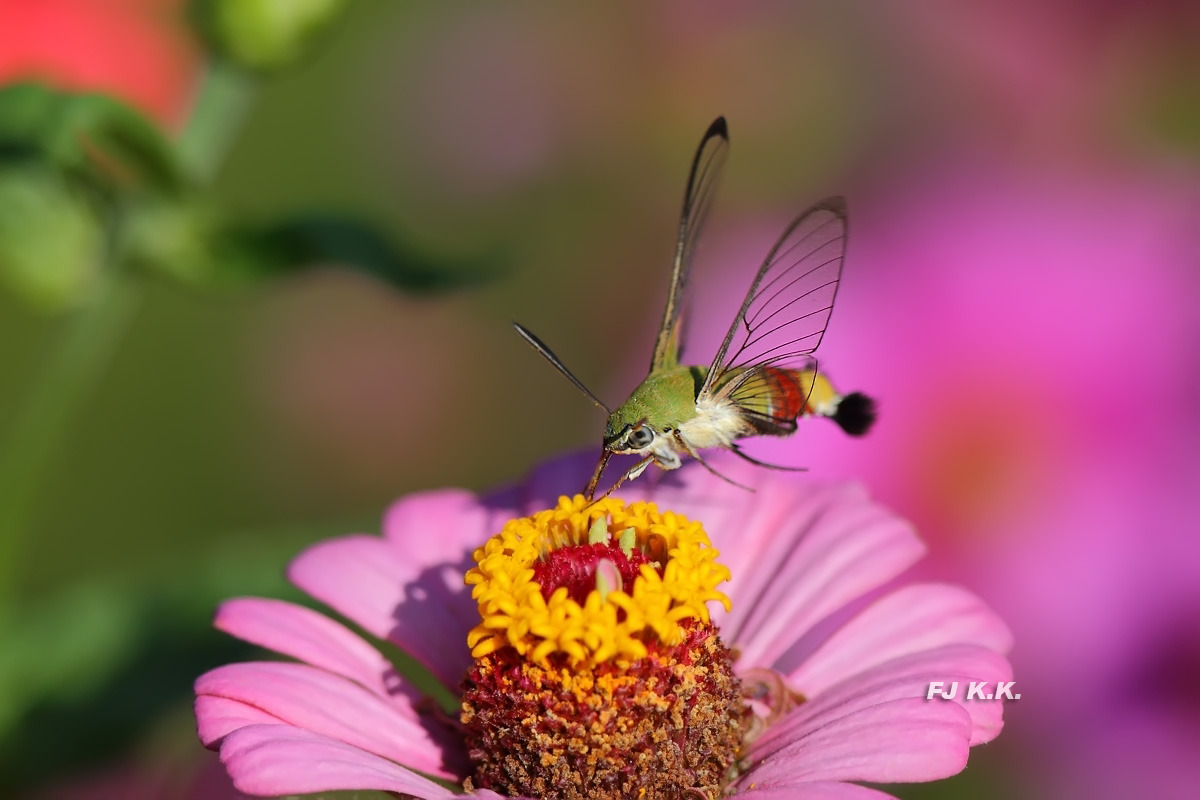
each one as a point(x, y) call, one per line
point(575, 568)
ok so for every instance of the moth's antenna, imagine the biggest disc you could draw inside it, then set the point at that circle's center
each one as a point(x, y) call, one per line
point(537, 344)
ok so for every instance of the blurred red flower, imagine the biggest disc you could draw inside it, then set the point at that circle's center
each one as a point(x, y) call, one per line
point(138, 50)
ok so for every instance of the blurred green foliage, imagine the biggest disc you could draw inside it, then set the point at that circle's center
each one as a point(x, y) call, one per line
point(264, 34)
point(197, 245)
point(88, 186)
point(93, 195)
point(84, 668)
point(52, 243)
point(90, 137)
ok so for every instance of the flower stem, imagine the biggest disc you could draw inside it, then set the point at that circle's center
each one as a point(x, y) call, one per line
point(225, 96)
point(36, 431)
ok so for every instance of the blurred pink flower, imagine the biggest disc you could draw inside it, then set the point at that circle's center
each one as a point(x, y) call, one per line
point(138, 50)
point(813, 604)
point(481, 114)
point(1031, 341)
point(1114, 648)
point(342, 368)
point(1067, 81)
point(1015, 329)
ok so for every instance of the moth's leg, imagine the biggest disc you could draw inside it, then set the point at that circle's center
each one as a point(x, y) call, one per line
point(737, 451)
point(668, 461)
point(691, 452)
point(633, 472)
point(637, 471)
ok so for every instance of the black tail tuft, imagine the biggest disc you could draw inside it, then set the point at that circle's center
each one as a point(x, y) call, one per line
point(855, 413)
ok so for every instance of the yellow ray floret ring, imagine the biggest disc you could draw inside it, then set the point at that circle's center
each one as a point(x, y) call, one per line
point(593, 582)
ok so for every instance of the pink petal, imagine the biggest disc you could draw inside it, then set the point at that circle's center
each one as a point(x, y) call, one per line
point(438, 527)
point(915, 618)
point(276, 760)
point(807, 554)
point(318, 701)
point(739, 523)
point(308, 636)
point(901, 678)
point(816, 790)
point(893, 742)
point(217, 717)
point(437, 532)
point(690, 490)
point(566, 475)
point(394, 595)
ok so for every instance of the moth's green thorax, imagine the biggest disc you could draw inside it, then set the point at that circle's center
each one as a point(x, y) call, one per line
point(666, 399)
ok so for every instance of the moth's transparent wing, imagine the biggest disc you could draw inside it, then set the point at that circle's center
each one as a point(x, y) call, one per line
point(701, 187)
point(785, 313)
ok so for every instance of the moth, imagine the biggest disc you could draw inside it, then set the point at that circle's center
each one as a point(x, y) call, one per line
point(764, 376)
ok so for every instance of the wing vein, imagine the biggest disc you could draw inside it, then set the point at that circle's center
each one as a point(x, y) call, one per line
point(783, 317)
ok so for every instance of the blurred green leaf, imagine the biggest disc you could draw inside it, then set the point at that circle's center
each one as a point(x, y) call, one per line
point(52, 244)
point(191, 242)
point(264, 34)
point(84, 671)
point(97, 122)
point(177, 238)
point(64, 648)
point(27, 115)
point(90, 136)
point(335, 241)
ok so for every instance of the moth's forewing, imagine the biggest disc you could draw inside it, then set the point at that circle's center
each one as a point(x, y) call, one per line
point(785, 312)
point(697, 198)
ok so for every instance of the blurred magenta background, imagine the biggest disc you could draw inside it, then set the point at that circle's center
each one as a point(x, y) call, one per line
point(1022, 295)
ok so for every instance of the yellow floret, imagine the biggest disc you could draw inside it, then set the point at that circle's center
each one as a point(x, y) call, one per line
point(514, 613)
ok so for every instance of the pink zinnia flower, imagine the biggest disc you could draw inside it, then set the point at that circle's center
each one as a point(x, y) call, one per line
point(824, 680)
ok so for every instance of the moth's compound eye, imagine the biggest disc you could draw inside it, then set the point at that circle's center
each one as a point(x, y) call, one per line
point(640, 437)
